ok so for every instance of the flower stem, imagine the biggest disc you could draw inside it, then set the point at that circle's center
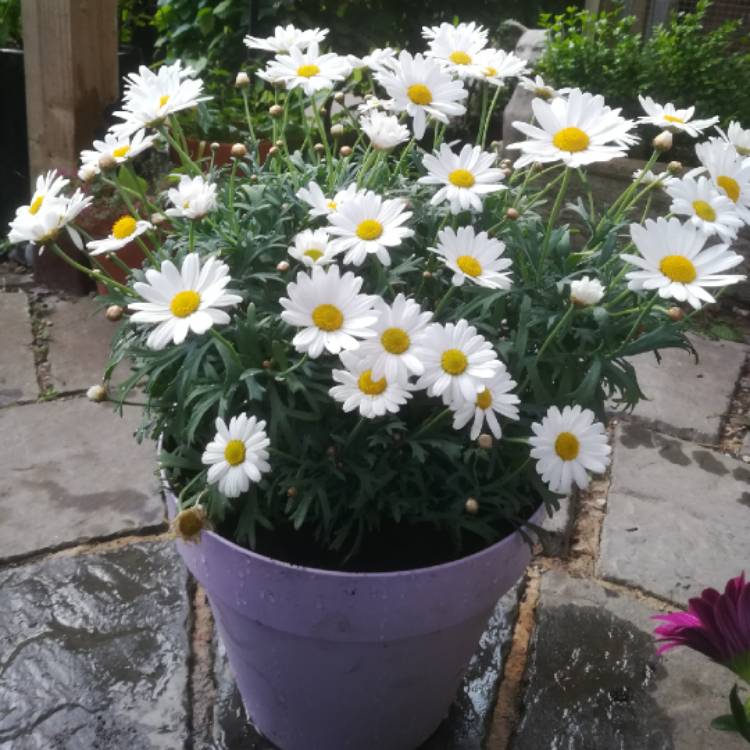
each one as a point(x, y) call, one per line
point(552, 219)
point(553, 333)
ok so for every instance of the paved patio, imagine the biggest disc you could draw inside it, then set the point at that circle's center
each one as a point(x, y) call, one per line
point(106, 643)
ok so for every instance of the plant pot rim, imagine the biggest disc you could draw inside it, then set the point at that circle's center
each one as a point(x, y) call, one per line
point(427, 571)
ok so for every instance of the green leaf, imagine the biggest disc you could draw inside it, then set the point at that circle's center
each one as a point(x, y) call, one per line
point(738, 713)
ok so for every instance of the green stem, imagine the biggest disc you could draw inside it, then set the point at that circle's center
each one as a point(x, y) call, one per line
point(646, 309)
point(95, 275)
point(552, 219)
point(227, 344)
point(553, 333)
point(491, 110)
point(445, 299)
point(249, 119)
point(431, 422)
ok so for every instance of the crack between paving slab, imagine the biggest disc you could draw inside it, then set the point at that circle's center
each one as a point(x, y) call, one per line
point(736, 421)
point(508, 705)
point(38, 313)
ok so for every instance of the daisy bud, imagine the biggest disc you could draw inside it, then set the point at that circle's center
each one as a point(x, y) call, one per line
point(426, 274)
point(323, 111)
point(337, 130)
point(273, 151)
point(319, 148)
point(279, 143)
point(506, 164)
point(472, 506)
point(345, 151)
point(214, 145)
point(663, 141)
point(107, 161)
point(114, 313)
point(189, 523)
point(512, 214)
point(331, 451)
point(291, 492)
point(676, 314)
point(238, 150)
point(282, 266)
point(506, 172)
point(340, 466)
point(97, 393)
point(87, 173)
point(276, 110)
point(674, 167)
point(242, 80)
point(266, 364)
point(537, 166)
point(157, 218)
point(339, 97)
point(485, 441)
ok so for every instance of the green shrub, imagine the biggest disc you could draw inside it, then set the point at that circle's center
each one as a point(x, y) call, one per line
point(10, 23)
point(681, 62)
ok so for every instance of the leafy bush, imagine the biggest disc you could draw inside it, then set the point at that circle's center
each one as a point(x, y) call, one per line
point(681, 62)
point(10, 23)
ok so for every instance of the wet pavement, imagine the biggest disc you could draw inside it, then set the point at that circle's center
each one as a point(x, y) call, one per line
point(104, 642)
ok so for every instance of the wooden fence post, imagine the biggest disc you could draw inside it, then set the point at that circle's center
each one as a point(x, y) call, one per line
point(70, 60)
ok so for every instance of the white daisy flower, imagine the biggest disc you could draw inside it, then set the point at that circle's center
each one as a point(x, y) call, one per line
point(329, 309)
point(48, 189)
point(431, 32)
point(586, 291)
point(540, 89)
point(458, 363)
point(366, 224)
point(737, 136)
point(48, 213)
point(360, 389)
point(457, 48)
point(708, 209)
point(309, 69)
point(373, 104)
point(495, 66)
point(476, 257)
point(729, 173)
point(123, 232)
point(378, 59)
point(119, 148)
point(669, 117)
point(314, 196)
point(495, 397)
point(465, 177)
point(384, 131)
point(237, 455)
point(183, 300)
point(399, 331)
point(576, 130)
point(569, 444)
point(672, 260)
point(312, 247)
point(421, 88)
point(286, 37)
point(193, 198)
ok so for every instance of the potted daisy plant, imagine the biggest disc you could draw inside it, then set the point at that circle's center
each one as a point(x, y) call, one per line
point(373, 370)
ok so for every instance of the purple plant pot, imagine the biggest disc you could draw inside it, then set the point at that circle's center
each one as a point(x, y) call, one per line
point(349, 661)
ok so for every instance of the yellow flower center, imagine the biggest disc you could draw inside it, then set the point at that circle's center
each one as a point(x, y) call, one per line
point(484, 399)
point(567, 446)
point(308, 71)
point(395, 340)
point(490, 72)
point(571, 139)
point(461, 178)
point(234, 453)
point(678, 268)
point(369, 386)
point(454, 361)
point(332, 205)
point(469, 265)
point(704, 210)
point(163, 100)
point(36, 205)
point(460, 58)
point(674, 118)
point(185, 303)
point(120, 151)
point(124, 227)
point(730, 186)
point(328, 317)
point(419, 94)
point(369, 229)
point(314, 253)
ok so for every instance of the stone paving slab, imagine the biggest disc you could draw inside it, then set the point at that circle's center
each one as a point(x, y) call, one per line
point(80, 337)
point(688, 399)
point(17, 372)
point(678, 515)
point(594, 681)
point(465, 728)
point(72, 472)
point(94, 652)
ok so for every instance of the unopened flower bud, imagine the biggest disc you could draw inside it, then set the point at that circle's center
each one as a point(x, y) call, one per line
point(323, 111)
point(512, 214)
point(276, 110)
point(339, 97)
point(331, 451)
point(189, 523)
point(506, 172)
point(266, 364)
point(506, 163)
point(472, 506)
point(426, 274)
point(485, 441)
point(214, 145)
point(242, 80)
point(319, 148)
point(157, 218)
point(107, 161)
point(345, 151)
point(282, 266)
point(279, 143)
point(273, 150)
point(114, 313)
point(239, 150)
point(663, 141)
point(291, 492)
point(537, 166)
point(337, 130)
point(96, 393)
point(339, 465)
point(87, 173)
point(674, 167)
point(675, 313)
